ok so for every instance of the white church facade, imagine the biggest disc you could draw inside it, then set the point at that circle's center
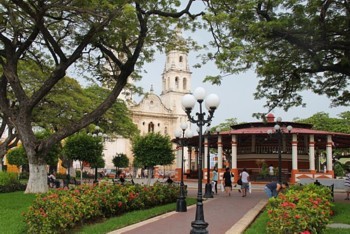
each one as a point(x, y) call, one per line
point(158, 113)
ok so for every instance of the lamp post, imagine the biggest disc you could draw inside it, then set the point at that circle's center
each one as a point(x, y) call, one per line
point(278, 130)
point(103, 136)
point(180, 135)
point(208, 189)
point(211, 102)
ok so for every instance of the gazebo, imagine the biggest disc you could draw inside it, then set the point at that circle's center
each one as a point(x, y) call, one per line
point(248, 145)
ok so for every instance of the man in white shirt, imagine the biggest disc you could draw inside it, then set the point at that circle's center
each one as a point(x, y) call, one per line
point(245, 182)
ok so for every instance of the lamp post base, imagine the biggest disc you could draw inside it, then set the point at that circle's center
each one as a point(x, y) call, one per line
point(181, 205)
point(208, 191)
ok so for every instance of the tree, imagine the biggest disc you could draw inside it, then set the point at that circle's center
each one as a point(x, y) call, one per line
point(225, 126)
point(151, 150)
point(120, 160)
point(293, 45)
point(17, 156)
point(322, 121)
point(84, 148)
point(105, 41)
point(8, 138)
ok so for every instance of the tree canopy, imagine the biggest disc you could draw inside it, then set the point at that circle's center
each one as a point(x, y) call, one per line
point(293, 46)
point(322, 121)
point(103, 41)
point(120, 160)
point(153, 149)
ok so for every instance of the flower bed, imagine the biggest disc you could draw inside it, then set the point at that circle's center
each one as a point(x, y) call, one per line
point(59, 210)
point(302, 209)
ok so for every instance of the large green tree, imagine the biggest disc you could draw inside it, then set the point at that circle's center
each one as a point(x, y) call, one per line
point(102, 40)
point(322, 121)
point(294, 45)
point(153, 149)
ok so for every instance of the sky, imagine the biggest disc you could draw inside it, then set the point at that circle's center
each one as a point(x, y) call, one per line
point(235, 92)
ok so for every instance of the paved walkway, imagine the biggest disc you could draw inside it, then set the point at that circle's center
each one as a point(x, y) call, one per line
point(224, 214)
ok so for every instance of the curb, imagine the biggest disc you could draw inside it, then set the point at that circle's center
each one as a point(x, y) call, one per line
point(247, 219)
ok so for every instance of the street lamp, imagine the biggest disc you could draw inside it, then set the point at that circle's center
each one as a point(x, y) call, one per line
point(211, 102)
point(208, 189)
point(180, 135)
point(103, 136)
point(278, 130)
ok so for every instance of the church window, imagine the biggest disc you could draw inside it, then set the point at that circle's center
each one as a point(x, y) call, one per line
point(151, 102)
point(184, 84)
point(180, 59)
point(158, 124)
point(177, 82)
point(166, 130)
point(151, 127)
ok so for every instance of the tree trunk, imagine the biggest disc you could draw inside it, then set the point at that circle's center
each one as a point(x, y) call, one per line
point(37, 182)
point(150, 173)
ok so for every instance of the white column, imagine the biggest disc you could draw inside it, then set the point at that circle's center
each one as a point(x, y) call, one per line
point(294, 152)
point(329, 153)
point(189, 158)
point(253, 143)
point(234, 151)
point(178, 156)
point(219, 152)
point(312, 152)
point(206, 148)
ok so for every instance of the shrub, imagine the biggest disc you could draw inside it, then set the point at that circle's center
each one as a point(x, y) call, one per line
point(300, 209)
point(59, 210)
point(10, 183)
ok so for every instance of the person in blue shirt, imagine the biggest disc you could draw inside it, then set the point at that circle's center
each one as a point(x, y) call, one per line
point(272, 189)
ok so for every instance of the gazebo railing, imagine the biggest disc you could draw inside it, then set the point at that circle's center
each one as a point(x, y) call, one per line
point(269, 150)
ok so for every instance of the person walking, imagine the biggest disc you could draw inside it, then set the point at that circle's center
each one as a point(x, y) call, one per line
point(245, 182)
point(227, 177)
point(272, 189)
point(215, 179)
point(347, 184)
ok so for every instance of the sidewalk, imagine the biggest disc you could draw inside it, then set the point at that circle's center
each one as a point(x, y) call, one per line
point(224, 214)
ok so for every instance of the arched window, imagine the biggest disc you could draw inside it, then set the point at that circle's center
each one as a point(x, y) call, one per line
point(180, 59)
point(166, 130)
point(151, 127)
point(184, 84)
point(177, 82)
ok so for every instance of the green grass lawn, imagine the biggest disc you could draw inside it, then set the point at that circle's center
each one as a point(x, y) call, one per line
point(14, 204)
point(341, 215)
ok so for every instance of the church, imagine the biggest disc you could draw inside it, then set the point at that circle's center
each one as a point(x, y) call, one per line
point(161, 113)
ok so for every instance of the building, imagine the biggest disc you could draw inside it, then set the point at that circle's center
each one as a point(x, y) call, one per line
point(158, 113)
point(305, 152)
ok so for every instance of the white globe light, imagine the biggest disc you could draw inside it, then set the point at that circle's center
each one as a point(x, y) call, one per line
point(212, 101)
point(269, 131)
point(188, 101)
point(277, 127)
point(189, 134)
point(183, 126)
point(199, 93)
point(289, 128)
point(178, 134)
point(279, 119)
